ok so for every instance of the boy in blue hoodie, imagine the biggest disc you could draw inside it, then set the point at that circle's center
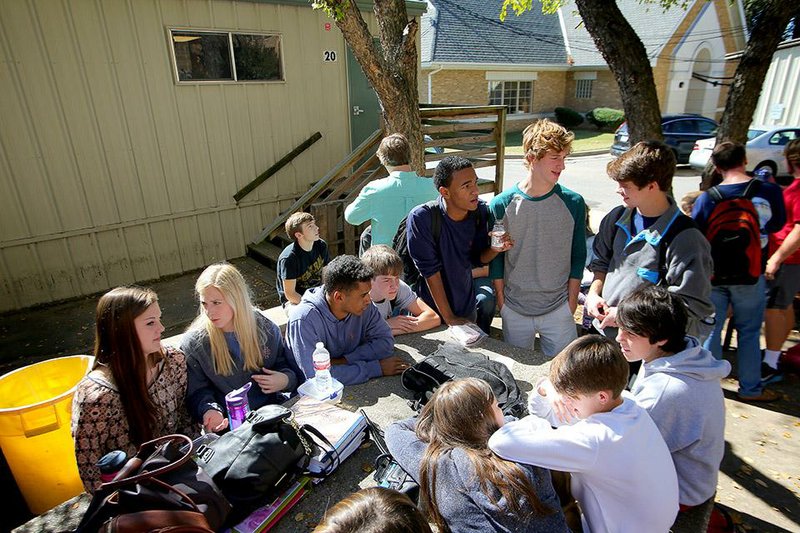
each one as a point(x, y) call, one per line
point(341, 315)
point(679, 385)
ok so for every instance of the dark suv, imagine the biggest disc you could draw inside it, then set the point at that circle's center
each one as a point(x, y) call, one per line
point(680, 133)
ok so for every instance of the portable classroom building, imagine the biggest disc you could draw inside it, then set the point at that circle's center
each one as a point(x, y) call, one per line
point(118, 165)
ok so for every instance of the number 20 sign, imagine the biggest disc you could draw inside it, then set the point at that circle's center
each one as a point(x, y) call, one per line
point(329, 55)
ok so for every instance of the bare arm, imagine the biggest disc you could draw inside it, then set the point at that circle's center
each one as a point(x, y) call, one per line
point(499, 287)
point(573, 288)
point(595, 304)
point(289, 286)
point(426, 317)
point(790, 245)
point(440, 299)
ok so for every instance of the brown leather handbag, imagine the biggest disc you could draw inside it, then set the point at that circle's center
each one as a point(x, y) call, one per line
point(159, 489)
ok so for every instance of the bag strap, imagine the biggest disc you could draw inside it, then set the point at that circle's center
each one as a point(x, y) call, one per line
point(375, 433)
point(715, 194)
point(135, 463)
point(330, 452)
point(752, 188)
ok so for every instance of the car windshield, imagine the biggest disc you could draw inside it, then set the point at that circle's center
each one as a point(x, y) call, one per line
point(752, 134)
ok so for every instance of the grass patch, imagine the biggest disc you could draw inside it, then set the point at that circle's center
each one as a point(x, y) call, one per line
point(585, 141)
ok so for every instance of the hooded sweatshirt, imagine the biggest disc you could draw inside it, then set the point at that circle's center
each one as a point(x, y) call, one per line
point(362, 340)
point(683, 396)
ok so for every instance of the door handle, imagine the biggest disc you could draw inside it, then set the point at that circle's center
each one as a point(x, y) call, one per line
point(357, 110)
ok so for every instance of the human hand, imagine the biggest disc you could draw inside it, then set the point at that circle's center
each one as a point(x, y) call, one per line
point(403, 324)
point(271, 381)
point(610, 320)
point(596, 305)
point(772, 268)
point(561, 406)
point(455, 321)
point(214, 421)
point(505, 239)
point(393, 365)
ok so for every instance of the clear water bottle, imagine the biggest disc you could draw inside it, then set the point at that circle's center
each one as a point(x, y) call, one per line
point(322, 368)
point(498, 231)
point(238, 406)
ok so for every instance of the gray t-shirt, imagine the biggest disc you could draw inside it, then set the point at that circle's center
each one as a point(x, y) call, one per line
point(405, 297)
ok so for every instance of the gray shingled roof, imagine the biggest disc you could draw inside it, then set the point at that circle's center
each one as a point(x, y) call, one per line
point(651, 23)
point(470, 31)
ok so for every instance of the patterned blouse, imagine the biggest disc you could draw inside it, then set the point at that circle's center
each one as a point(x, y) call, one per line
point(99, 424)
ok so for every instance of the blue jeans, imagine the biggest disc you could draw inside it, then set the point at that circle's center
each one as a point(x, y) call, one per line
point(485, 301)
point(748, 302)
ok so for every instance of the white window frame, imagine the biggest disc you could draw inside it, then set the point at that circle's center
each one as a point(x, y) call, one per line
point(229, 34)
point(583, 89)
point(515, 105)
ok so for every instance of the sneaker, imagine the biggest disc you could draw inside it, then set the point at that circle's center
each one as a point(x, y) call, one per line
point(765, 396)
point(769, 374)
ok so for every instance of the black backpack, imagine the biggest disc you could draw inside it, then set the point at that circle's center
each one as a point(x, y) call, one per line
point(411, 274)
point(735, 235)
point(423, 378)
point(400, 243)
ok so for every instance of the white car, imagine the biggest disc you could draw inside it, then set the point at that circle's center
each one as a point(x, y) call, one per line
point(765, 146)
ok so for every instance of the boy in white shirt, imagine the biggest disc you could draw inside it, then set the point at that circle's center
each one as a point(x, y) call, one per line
point(622, 473)
point(389, 293)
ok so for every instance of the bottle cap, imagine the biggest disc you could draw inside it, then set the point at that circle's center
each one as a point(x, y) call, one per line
point(112, 462)
point(238, 395)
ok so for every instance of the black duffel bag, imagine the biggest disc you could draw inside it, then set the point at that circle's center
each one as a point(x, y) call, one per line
point(258, 460)
point(160, 488)
point(423, 378)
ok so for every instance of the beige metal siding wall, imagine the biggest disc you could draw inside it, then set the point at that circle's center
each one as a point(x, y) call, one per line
point(112, 173)
point(780, 100)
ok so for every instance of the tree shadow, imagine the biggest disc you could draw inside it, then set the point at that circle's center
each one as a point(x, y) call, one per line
point(762, 487)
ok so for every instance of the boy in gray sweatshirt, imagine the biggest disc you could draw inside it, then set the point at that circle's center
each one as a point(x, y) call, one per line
point(679, 386)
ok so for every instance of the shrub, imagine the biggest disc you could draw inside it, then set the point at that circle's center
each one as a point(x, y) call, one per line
point(605, 117)
point(569, 118)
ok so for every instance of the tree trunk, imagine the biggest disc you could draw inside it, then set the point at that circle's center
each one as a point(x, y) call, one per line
point(390, 68)
point(627, 58)
point(745, 90)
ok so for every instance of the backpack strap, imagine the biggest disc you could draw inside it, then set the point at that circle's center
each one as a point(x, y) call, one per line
point(715, 194)
point(751, 189)
point(681, 223)
point(436, 219)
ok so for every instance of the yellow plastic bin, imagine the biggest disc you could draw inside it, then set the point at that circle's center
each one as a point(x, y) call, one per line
point(35, 412)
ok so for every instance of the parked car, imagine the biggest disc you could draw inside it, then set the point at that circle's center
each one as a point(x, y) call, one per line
point(680, 133)
point(765, 146)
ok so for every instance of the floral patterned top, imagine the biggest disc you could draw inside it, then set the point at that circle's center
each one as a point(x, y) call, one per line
point(99, 424)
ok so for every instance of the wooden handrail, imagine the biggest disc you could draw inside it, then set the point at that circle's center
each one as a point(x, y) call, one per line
point(321, 185)
point(285, 160)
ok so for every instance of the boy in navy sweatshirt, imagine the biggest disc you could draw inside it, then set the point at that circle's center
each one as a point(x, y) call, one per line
point(340, 314)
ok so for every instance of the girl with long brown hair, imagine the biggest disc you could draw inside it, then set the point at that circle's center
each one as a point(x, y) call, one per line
point(463, 485)
point(136, 389)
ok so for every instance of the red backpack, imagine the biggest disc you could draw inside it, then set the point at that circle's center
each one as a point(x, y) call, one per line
point(734, 232)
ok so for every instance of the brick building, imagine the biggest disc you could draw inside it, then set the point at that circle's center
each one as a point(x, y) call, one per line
point(535, 62)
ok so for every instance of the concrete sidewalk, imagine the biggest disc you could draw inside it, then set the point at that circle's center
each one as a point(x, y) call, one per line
point(760, 475)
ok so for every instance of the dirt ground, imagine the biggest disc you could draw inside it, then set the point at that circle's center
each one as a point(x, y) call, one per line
point(760, 474)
